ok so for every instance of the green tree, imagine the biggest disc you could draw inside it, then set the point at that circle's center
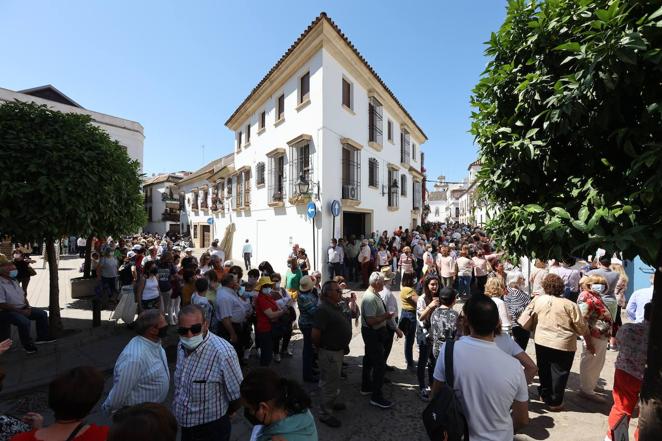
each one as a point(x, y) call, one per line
point(63, 175)
point(568, 119)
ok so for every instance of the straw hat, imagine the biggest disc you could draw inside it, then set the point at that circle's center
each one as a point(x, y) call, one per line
point(306, 283)
point(264, 281)
point(387, 273)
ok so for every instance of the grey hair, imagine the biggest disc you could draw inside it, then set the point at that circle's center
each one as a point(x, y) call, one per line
point(513, 276)
point(375, 277)
point(146, 320)
point(192, 309)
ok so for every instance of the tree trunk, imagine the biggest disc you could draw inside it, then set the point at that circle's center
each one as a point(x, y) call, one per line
point(650, 413)
point(55, 321)
point(87, 265)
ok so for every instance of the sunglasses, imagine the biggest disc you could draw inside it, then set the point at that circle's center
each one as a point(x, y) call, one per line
point(195, 329)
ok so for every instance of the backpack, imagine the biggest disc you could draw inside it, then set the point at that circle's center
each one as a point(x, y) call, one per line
point(444, 414)
point(126, 276)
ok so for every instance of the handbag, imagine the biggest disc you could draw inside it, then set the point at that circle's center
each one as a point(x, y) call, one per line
point(529, 318)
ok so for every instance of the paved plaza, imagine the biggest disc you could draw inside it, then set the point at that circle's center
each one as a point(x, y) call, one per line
point(27, 376)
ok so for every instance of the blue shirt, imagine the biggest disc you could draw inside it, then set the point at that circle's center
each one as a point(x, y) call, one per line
point(141, 375)
point(307, 302)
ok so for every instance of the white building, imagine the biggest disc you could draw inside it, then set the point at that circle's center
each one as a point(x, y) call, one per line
point(206, 208)
point(321, 126)
point(128, 133)
point(163, 203)
point(444, 201)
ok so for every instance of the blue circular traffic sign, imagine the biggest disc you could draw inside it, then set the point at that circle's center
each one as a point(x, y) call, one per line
point(210, 220)
point(335, 208)
point(311, 210)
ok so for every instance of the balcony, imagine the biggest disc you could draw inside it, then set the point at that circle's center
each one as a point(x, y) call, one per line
point(170, 217)
point(351, 177)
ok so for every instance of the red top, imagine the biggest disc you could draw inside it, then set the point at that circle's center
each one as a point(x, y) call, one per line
point(92, 433)
point(262, 303)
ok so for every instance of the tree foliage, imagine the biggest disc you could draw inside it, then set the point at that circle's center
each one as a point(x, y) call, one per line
point(63, 175)
point(568, 119)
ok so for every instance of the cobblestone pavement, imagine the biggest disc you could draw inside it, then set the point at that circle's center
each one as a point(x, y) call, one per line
point(582, 420)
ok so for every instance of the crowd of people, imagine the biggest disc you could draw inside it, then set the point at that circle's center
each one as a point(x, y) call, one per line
point(224, 313)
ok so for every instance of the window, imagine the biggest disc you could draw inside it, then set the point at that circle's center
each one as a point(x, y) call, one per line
point(203, 199)
point(217, 196)
point(280, 108)
point(404, 146)
point(194, 200)
point(417, 190)
point(413, 152)
point(248, 133)
point(346, 93)
point(228, 189)
point(393, 189)
point(375, 121)
point(246, 190)
point(238, 190)
point(301, 166)
point(304, 87)
point(436, 211)
point(259, 174)
point(403, 185)
point(351, 173)
point(373, 172)
point(263, 120)
point(239, 140)
point(276, 179)
point(390, 130)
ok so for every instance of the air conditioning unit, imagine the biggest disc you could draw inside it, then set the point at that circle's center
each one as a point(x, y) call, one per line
point(350, 192)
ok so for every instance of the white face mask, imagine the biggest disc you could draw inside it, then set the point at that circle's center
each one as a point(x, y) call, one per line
point(267, 290)
point(597, 288)
point(192, 342)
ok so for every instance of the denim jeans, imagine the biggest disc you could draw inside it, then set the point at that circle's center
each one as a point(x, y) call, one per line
point(425, 358)
point(265, 342)
point(23, 324)
point(374, 364)
point(464, 283)
point(307, 355)
point(407, 324)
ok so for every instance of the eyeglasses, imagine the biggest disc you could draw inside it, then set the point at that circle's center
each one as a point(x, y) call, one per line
point(195, 329)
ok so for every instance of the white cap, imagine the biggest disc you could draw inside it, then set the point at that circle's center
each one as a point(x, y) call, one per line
point(228, 263)
point(188, 250)
point(136, 247)
point(130, 254)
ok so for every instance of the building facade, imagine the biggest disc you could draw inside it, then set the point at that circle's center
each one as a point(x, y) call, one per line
point(163, 203)
point(320, 127)
point(128, 133)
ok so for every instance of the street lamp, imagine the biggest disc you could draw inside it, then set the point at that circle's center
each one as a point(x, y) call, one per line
point(303, 185)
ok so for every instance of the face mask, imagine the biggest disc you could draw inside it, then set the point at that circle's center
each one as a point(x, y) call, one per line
point(163, 332)
point(13, 273)
point(252, 418)
point(597, 288)
point(242, 291)
point(267, 291)
point(277, 285)
point(192, 342)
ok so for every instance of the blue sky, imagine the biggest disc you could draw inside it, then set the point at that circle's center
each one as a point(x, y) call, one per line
point(181, 68)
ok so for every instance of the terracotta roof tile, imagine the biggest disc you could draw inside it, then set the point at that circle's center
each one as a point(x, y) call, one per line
point(294, 45)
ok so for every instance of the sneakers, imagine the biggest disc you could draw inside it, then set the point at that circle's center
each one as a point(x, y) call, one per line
point(381, 403)
point(331, 421)
point(424, 394)
point(30, 349)
point(41, 341)
point(277, 358)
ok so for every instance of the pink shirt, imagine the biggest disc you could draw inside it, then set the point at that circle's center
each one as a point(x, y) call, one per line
point(446, 266)
point(406, 263)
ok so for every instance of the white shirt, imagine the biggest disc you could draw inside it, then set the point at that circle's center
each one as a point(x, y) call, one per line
point(391, 305)
point(487, 381)
point(218, 252)
point(141, 375)
point(229, 304)
point(639, 299)
point(334, 254)
point(506, 343)
point(503, 314)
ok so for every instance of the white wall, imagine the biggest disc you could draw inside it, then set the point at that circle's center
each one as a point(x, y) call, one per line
point(127, 133)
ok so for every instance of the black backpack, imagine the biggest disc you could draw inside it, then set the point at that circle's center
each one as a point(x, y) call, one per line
point(444, 414)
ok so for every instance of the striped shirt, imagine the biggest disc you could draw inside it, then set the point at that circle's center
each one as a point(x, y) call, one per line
point(141, 375)
point(516, 301)
point(206, 381)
